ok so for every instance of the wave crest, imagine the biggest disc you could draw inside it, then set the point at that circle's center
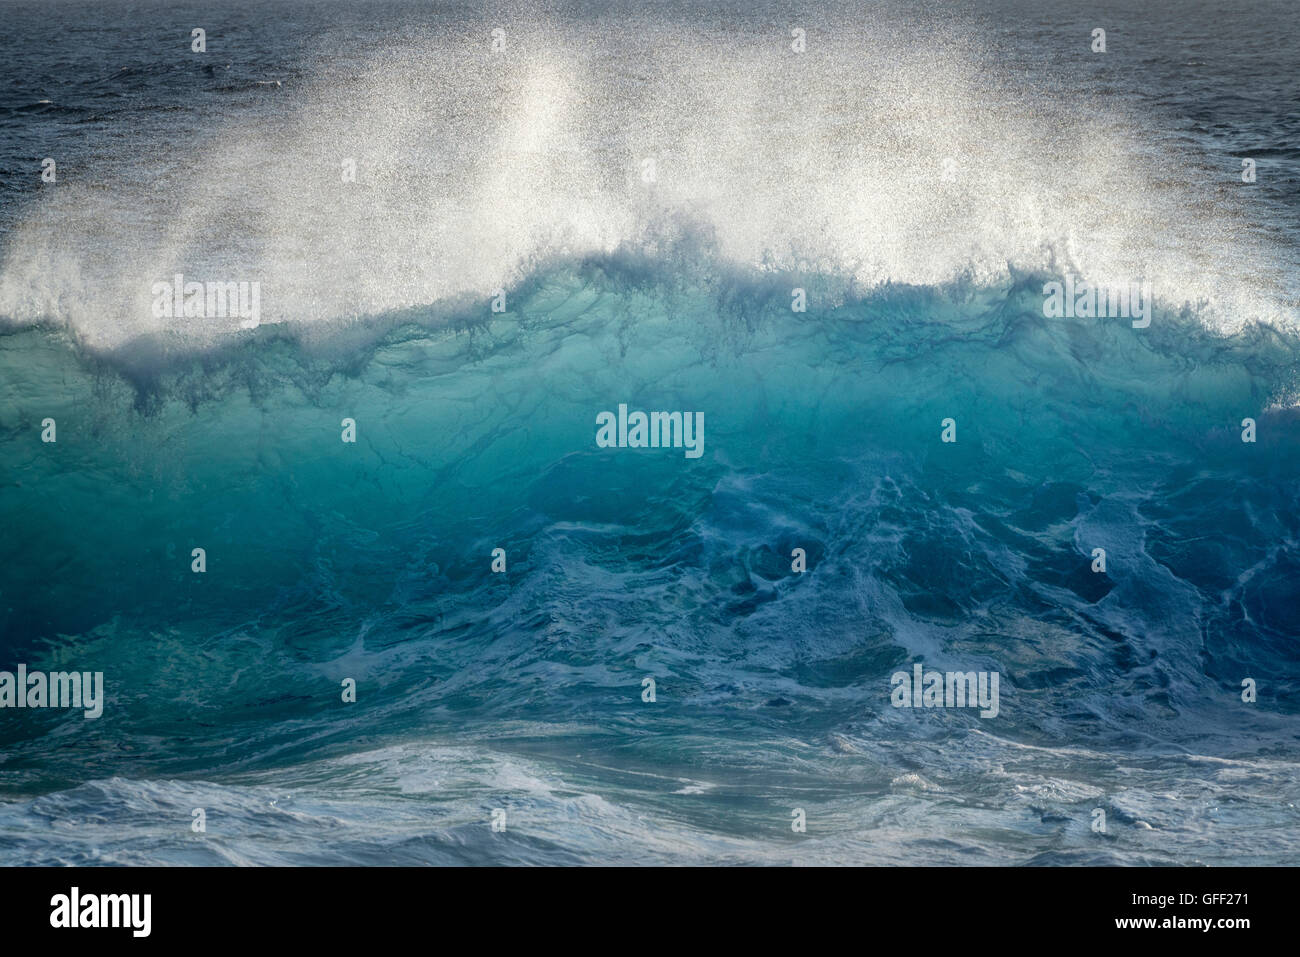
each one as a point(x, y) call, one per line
point(886, 153)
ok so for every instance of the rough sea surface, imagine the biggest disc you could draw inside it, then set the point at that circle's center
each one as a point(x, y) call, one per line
point(920, 170)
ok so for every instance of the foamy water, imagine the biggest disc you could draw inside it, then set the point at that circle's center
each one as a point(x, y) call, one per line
point(895, 149)
point(920, 177)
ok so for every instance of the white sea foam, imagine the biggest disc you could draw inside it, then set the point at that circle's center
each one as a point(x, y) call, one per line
point(885, 153)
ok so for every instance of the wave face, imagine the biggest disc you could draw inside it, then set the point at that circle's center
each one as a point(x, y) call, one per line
point(522, 174)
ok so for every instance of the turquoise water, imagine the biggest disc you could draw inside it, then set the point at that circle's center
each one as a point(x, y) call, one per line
point(475, 430)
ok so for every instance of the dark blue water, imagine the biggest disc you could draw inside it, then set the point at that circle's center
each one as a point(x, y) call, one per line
point(918, 172)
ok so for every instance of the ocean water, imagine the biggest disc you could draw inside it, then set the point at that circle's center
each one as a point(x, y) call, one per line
point(642, 186)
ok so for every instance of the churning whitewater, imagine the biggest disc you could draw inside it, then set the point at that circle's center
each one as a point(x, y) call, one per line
point(387, 509)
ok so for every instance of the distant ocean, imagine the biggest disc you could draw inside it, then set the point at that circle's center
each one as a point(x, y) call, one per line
point(435, 242)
